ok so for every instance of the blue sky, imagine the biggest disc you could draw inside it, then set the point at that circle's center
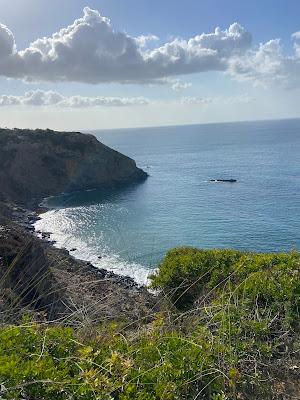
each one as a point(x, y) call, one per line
point(232, 78)
point(266, 19)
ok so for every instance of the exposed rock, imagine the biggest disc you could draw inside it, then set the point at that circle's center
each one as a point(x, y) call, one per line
point(26, 276)
point(40, 163)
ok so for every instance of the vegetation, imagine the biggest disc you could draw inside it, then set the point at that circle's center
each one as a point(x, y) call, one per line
point(228, 329)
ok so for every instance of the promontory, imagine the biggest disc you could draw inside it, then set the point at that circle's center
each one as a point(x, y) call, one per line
point(39, 163)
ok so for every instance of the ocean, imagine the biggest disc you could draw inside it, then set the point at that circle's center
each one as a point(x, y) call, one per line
point(129, 231)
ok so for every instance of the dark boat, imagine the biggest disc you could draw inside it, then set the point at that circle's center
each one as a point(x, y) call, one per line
point(223, 180)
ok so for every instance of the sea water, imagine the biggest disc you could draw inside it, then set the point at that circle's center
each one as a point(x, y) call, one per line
point(129, 230)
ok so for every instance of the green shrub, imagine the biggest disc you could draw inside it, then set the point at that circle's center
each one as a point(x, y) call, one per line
point(53, 363)
point(237, 313)
point(186, 274)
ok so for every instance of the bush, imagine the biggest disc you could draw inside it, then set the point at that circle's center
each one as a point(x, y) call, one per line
point(236, 315)
point(187, 274)
point(55, 363)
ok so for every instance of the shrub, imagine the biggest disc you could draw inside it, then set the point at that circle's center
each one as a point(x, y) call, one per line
point(236, 314)
point(187, 274)
point(54, 363)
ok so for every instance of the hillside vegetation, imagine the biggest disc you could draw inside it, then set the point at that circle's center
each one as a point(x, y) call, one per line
point(228, 329)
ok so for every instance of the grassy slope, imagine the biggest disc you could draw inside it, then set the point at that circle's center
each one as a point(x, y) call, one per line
point(229, 329)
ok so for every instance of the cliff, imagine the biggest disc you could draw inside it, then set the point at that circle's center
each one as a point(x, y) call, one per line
point(39, 163)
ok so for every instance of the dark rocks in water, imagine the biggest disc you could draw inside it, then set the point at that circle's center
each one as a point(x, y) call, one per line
point(33, 220)
point(223, 180)
point(40, 163)
point(46, 235)
point(102, 272)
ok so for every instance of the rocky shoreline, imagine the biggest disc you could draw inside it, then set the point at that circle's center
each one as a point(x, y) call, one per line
point(26, 219)
point(34, 274)
point(78, 284)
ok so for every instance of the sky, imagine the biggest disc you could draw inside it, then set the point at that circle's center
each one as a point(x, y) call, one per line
point(99, 64)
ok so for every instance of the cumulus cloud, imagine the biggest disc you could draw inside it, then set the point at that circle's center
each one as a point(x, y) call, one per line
point(50, 98)
point(268, 65)
point(144, 40)
point(7, 42)
point(91, 51)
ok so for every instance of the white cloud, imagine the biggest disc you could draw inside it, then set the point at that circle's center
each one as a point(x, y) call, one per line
point(268, 65)
point(143, 40)
point(41, 98)
point(178, 85)
point(7, 42)
point(50, 98)
point(91, 51)
point(228, 100)
point(296, 35)
point(193, 100)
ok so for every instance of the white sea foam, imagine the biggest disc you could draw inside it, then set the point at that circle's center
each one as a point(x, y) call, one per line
point(84, 250)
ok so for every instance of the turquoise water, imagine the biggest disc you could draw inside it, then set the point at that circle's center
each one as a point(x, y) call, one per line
point(132, 229)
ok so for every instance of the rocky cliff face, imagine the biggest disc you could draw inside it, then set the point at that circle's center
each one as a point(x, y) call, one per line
point(39, 163)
